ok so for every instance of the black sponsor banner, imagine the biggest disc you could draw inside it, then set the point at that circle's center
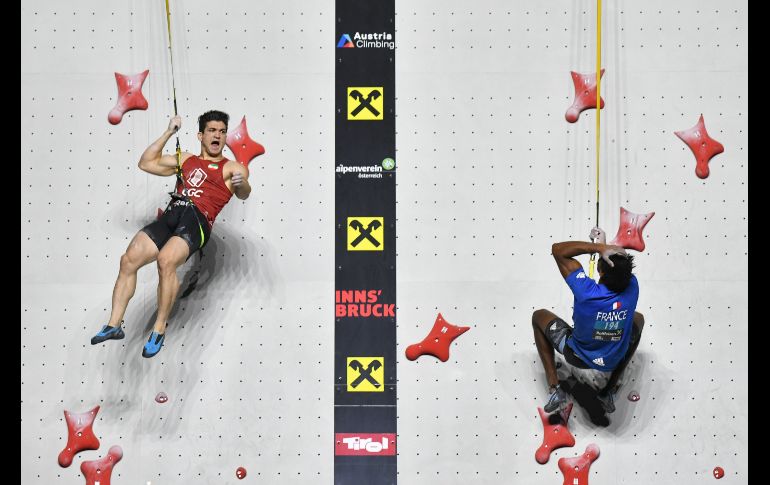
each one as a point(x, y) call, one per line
point(365, 244)
point(378, 466)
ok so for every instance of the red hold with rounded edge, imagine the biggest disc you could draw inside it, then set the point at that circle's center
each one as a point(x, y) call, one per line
point(240, 473)
point(438, 340)
point(130, 95)
point(718, 472)
point(575, 470)
point(555, 433)
point(80, 435)
point(243, 147)
point(630, 230)
point(702, 145)
point(585, 95)
point(99, 472)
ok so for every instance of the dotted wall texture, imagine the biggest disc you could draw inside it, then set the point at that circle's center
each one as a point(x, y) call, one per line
point(491, 174)
point(247, 359)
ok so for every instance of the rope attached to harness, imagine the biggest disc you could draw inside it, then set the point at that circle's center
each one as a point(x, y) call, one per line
point(179, 193)
point(179, 190)
point(598, 116)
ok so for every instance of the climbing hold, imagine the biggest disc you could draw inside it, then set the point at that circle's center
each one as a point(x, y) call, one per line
point(244, 148)
point(438, 340)
point(98, 472)
point(240, 473)
point(718, 472)
point(80, 435)
point(575, 470)
point(585, 95)
point(129, 95)
point(630, 231)
point(702, 145)
point(161, 397)
point(555, 433)
point(633, 396)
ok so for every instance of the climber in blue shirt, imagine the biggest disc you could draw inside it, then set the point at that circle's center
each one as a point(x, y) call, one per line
point(607, 326)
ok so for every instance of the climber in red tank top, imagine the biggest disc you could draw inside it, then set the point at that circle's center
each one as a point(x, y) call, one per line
point(205, 185)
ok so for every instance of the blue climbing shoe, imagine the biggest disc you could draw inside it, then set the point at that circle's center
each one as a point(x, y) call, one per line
point(154, 344)
point(108, 333)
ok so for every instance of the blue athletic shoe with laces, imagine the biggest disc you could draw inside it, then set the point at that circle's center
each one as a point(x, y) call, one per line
point(108, 333)
point(154, 344)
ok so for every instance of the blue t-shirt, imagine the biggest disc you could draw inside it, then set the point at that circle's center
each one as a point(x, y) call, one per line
point(603, 320)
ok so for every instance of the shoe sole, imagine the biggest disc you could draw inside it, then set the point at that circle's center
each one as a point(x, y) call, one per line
point(98, 340)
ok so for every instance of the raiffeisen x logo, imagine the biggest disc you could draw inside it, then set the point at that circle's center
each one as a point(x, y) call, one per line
point(365, 104)
point(365, 234)
point(365, 374)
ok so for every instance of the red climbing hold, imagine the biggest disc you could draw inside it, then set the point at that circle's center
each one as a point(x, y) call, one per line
point(98, 472)
point(244, 148)
point(633, 396)
point(129, 95)
point(702, 145)
point(80, 435)
point(438, 340)
point(585, 95)
point(555, 433)
point(630, 231)
point(161, 397)
point(240, 473)
point(575, 470)
point(718, 472)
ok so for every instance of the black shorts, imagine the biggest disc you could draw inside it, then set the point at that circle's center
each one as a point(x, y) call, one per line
point(559, 331)
point(180, 220)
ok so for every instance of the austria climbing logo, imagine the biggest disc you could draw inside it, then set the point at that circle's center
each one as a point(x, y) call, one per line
point(367, 40)
point(345, 42)
point(366, 374)
point(362, 303)
point(365, 444)
point(366, 234)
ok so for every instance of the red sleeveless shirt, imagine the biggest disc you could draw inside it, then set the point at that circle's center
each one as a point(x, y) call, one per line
point(205, 185)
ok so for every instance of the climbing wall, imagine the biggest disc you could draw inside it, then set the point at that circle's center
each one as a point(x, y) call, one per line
point(247, 360)
point(491, 174)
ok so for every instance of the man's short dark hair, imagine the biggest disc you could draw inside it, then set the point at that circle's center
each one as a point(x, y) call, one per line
point(618, 277)
point(212, 115)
